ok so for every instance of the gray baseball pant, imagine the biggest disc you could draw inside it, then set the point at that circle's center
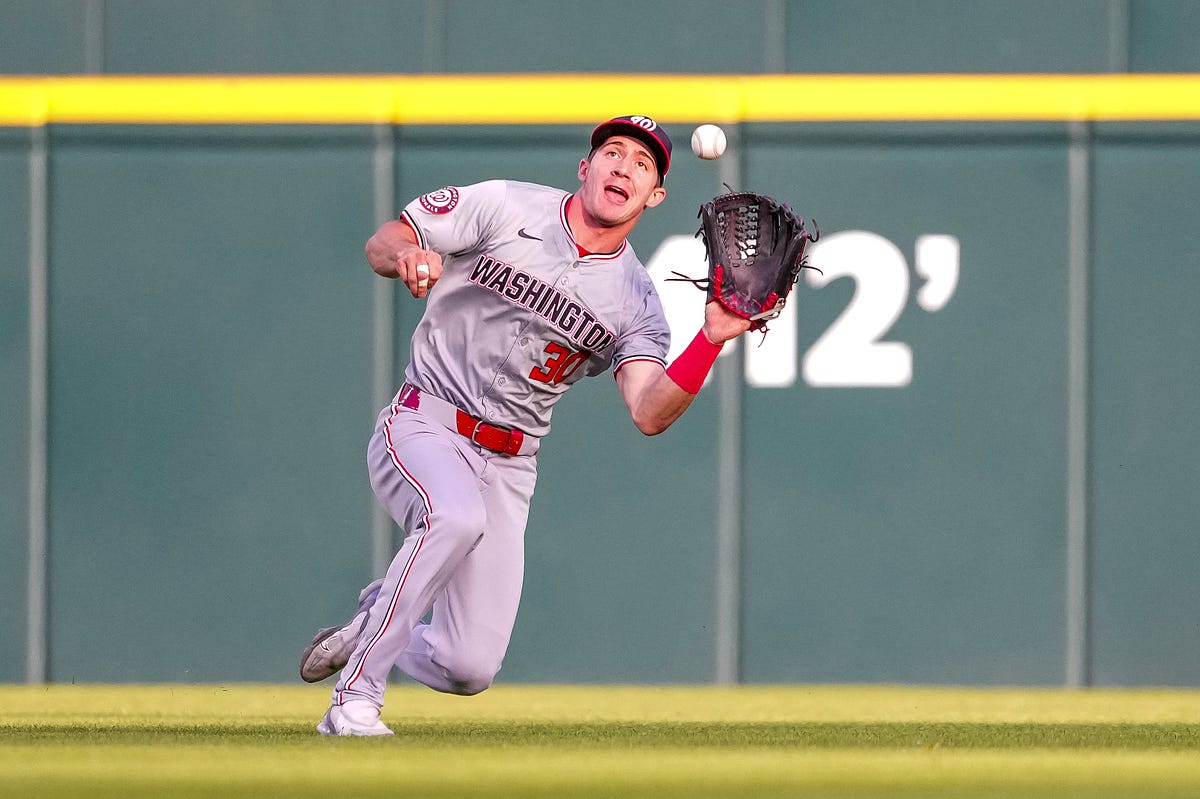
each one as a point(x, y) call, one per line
point(464, 509)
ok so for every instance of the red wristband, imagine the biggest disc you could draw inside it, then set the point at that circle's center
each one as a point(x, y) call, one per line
point(693, 364)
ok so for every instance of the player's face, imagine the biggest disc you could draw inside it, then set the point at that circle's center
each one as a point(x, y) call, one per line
point(620, 180)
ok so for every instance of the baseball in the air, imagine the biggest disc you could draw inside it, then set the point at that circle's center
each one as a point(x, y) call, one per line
point(708, 142)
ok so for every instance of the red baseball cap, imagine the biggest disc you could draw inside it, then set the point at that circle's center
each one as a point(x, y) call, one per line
point(642, 128)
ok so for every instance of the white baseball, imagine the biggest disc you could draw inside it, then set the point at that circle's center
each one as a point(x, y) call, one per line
point(422, 275)
point(708, 142)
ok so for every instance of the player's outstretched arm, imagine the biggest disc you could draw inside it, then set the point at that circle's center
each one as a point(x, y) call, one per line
point(656, 397)
point(393, 252)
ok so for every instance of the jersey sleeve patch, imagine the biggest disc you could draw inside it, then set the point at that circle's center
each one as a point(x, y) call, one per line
point(441, 201)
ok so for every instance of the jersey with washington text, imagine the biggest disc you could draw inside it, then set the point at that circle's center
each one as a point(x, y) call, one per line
point(519, 315)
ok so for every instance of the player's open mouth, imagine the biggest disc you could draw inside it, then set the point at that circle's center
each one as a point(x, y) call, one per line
point(621, 193)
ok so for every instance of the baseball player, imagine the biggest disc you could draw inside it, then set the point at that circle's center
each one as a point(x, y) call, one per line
point(528, 289)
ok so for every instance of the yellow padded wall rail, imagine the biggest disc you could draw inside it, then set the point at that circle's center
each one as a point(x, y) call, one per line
point(584, 98)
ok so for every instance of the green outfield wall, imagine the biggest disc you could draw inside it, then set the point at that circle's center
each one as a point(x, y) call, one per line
point(966, 454)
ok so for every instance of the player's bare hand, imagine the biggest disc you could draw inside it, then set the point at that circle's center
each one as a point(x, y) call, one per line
point(419, 269)
point(721, 324)
point(393, 252)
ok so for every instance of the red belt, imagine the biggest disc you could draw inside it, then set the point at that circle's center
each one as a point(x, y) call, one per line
point(489, 436)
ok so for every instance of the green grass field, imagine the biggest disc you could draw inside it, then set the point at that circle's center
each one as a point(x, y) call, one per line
point(259, 741)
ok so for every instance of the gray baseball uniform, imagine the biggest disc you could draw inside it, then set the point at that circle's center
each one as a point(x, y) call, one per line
point(519, 314)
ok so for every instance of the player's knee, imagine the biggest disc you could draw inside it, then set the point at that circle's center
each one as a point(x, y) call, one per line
point(469, 685)
point(468, 677)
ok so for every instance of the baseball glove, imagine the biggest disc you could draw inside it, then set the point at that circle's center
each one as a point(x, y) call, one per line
point(755, 251)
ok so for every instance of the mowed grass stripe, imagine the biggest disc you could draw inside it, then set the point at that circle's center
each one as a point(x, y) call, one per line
point(374, 768)
point(303, 704)
point(1128, 737)
point(841, 742)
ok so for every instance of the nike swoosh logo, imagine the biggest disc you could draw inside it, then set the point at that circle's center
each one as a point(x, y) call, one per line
point(525, 235)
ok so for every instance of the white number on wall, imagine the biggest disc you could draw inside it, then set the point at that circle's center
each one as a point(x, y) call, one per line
point(850, 352)
point(853, 351)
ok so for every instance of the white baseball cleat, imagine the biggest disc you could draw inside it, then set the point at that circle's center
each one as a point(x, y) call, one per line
point(331, 647)
point(356, 717)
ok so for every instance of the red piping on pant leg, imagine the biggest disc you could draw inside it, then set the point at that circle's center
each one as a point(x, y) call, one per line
point(408, 477)
point(388, 619)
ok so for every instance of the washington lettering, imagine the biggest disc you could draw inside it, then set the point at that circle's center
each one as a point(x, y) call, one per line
point(575, 321)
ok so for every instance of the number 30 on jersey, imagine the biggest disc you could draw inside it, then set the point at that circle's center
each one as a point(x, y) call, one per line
point(561, 363)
